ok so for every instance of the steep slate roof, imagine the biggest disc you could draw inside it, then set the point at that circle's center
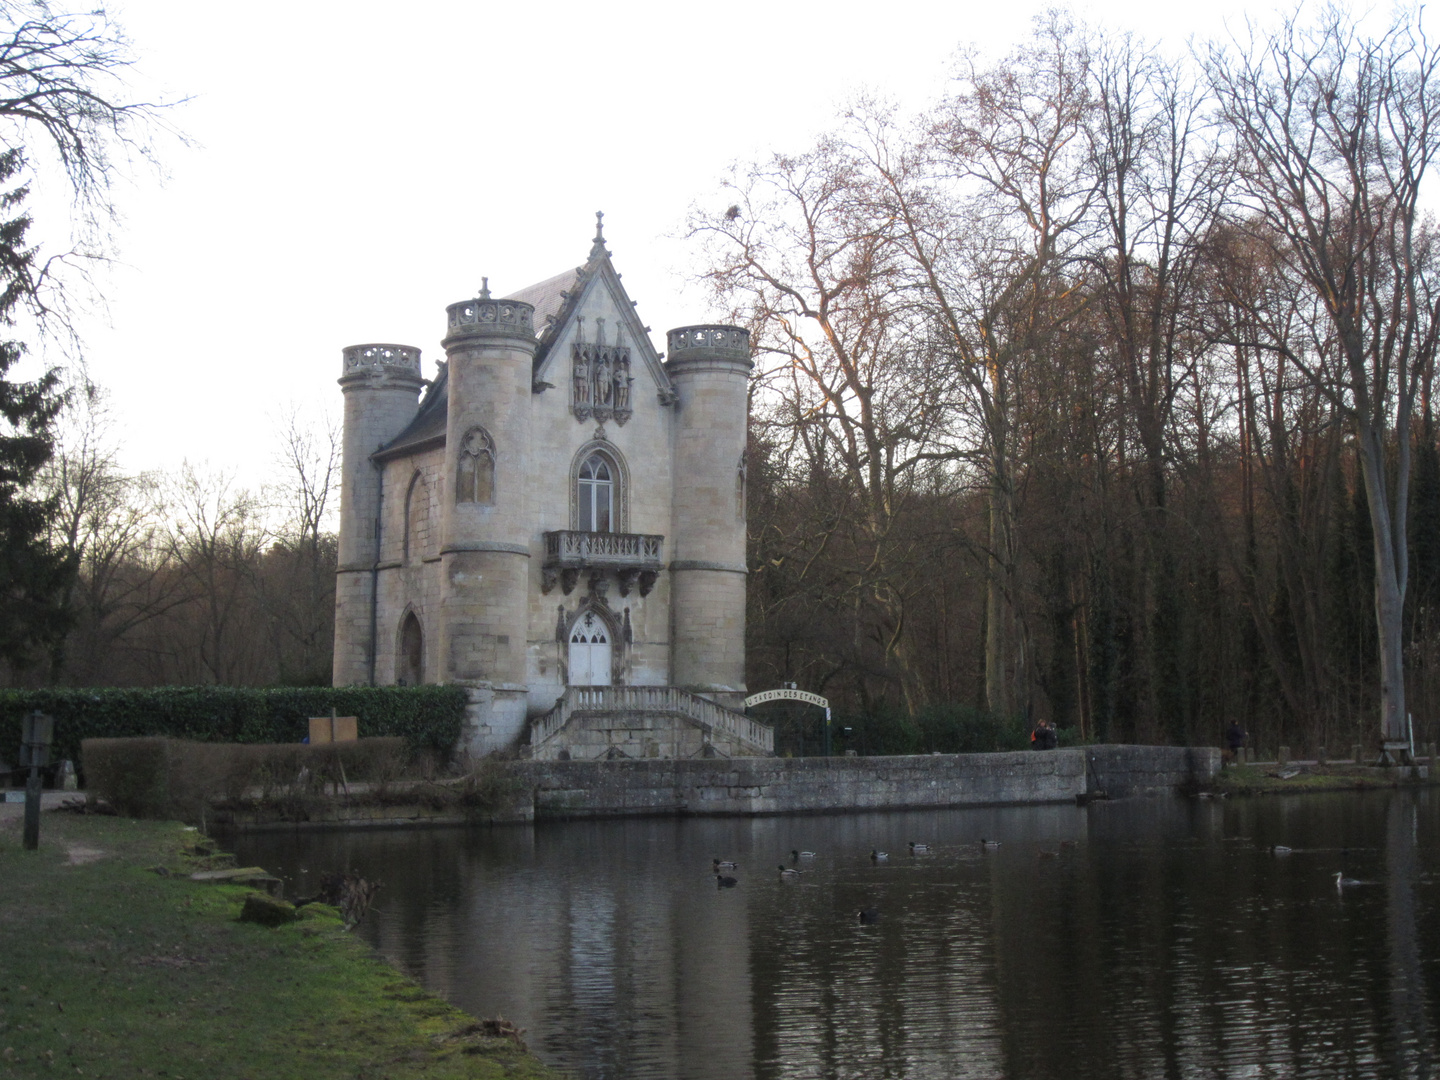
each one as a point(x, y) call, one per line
point(428, 427)
point(552, 299)
point(555, 300)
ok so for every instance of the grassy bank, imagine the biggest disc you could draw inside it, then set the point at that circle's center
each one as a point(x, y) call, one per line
point(110, 969)
point(1263, 779)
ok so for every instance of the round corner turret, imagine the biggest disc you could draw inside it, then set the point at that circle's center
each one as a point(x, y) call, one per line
point(395, 363)
point(381, 384)
point(708, 346)
point(485, 317)
point(710, 368)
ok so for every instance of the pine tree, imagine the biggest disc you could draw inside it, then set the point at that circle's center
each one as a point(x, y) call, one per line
point(33, 574)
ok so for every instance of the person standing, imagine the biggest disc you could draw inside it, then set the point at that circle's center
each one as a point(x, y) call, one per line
point(1234, 740)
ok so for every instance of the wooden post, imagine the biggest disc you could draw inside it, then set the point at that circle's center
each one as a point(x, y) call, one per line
point(32, 810)
point(37, 733)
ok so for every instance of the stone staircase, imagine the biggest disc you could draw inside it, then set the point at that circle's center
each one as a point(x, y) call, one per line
point(595, 709)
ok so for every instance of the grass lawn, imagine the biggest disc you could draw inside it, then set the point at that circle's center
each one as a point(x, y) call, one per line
point(1258, 779)
point(111, 969)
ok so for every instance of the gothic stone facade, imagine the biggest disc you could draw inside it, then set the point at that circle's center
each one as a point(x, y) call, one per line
point(564, 507)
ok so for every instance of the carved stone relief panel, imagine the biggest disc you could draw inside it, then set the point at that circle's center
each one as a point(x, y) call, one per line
point(600, 378)
point(475, 479)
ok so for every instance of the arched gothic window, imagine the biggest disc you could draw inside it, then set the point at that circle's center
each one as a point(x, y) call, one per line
point(475, 479)
point(410, 664)
point(595, 494)
point(741, 474)
point(417, 518)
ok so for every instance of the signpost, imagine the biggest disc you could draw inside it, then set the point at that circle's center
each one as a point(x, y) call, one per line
point(39, 732)
point(789, 693)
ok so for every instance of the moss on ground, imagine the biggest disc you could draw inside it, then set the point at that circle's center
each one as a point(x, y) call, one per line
point(1262, 779)
point(111, 968)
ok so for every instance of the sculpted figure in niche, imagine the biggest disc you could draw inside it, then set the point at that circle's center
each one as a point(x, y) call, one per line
point(602, 377)
point(582, 379)
point(622, 382)
point(475, 481)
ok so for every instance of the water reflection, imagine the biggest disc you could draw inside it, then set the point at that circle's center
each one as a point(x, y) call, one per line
point(1135, 939)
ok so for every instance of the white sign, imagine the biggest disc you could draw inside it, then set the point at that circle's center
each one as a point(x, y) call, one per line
point(786, 695)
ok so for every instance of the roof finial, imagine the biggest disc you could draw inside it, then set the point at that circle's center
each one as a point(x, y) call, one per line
point(598, 247)
point(484, 288)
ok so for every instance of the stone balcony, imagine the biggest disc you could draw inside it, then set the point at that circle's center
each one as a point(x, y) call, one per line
point(635, 558)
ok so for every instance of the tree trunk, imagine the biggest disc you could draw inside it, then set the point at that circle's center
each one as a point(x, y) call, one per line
point(998, 697)
point(1390, 574)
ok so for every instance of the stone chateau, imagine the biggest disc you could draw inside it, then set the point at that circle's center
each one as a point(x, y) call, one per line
point(557, 525)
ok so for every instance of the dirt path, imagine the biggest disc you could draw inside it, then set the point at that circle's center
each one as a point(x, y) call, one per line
point(49, 800)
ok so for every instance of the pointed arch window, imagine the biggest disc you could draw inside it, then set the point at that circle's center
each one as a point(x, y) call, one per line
point(417, 518)
point(475, 477)
point(410, 663)
point(742, 473)
point(595, 494)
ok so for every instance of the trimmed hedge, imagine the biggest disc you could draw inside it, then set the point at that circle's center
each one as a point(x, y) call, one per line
point(426, 717)
point(945, 729)
point(176, 778)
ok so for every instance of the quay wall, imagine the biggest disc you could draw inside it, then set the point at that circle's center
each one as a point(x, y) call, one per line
point(748, 786)
point(755, 785)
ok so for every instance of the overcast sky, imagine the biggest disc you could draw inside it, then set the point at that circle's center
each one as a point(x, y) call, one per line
point(353, 168)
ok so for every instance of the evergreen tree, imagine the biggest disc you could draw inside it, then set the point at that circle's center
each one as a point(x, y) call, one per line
point(33, 574)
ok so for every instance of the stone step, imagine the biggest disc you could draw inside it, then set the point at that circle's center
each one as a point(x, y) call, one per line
point(255, 876)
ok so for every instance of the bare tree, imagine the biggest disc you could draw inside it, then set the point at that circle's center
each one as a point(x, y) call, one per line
point(106, 525)
point(64, 118)
point(66, 108)
point(1161, 180)
point(215, 542)
point(296, 581)
point(1336, 131)
point(807, 253)
point(991, 227)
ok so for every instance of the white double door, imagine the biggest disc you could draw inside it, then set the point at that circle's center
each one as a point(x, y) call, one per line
point(589, 652)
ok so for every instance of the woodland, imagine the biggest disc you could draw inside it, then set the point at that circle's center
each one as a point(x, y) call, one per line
point(1100, 391)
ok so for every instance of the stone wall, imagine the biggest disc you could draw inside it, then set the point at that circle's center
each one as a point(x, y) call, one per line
point(1119, 771)
point(747, 786)
point(494, 718)
point(750, 786)
point(639, 735)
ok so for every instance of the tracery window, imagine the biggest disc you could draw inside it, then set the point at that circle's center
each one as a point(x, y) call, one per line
point(595, 494)
point(475, 474)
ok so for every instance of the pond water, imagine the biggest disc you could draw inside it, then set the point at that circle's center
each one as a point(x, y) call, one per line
point(1139, 938)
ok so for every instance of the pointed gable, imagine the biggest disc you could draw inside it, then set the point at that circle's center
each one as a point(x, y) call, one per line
point(562, 304)
point(564, 307)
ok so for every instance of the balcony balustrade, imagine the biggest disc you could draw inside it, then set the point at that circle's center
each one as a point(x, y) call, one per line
point(636, 558)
